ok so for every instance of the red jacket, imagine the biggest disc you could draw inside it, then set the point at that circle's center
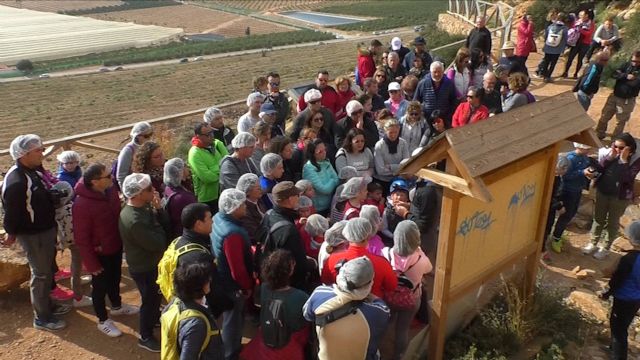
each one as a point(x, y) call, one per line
point(366, 66)
point(586, 32)
point(95, 224)
point(384, 279)
point(343, 99)
point(525, 41)
point(461, 116)
point(330, 100)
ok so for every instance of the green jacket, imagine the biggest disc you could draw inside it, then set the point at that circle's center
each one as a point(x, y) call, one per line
point(205, 170)
point(144, 238)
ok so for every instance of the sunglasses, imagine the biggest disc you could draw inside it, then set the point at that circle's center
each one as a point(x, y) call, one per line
point(619, 147)
point(314, 102)
point(275, 84)
point(470, 96)
point(358, 112)
point(414, 114)
point(393, 91)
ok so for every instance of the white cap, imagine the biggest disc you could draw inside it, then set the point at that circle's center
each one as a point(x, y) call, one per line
point(68, 156)
point(312, 95)
point(253, 97)
point(21, 145)
point(353, 106)
point(396, 43)
point(140, 128)
point(393, 86)
point(134, 184)
point(230, 200)
point(581, 146)
point(243, 139)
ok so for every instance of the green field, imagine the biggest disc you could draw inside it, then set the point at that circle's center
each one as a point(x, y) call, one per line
point(390, 14)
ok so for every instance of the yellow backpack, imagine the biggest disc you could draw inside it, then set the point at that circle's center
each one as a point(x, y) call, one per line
point(168, 264)
point(170, 320)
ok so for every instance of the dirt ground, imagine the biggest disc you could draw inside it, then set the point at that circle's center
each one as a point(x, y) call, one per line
point(58, 5)
point(92, 102)
point(194, 19)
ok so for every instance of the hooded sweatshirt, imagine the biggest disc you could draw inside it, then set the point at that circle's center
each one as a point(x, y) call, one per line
point(204, 162)
point(414, 266)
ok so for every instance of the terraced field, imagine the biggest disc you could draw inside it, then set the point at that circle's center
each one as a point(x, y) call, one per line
point(58, 5)
point(193, 19)
point(59, 107)
point(276, 5)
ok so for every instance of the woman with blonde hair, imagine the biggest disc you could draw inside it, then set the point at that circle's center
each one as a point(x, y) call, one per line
point(413, 125)
point(516, 96)
point(345, 94)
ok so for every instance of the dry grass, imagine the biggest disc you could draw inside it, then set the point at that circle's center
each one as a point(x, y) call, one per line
point(58, 5)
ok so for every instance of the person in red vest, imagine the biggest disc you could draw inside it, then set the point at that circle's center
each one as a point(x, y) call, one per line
point(366, 60)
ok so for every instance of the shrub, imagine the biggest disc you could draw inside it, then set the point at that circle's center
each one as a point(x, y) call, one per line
point(25, 66)
point(539, 10)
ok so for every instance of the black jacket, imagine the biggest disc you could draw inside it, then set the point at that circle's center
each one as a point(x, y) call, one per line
point(587, 83)
point(371, 135)
point(225, 135)
point(624, 88)
point(479, 38)
point(622, 272)
point(191, 237)
point(493, 102)
point(298, 123)
point(28, 204)
point(408, 60)
point(287, 238)
point(283, 110)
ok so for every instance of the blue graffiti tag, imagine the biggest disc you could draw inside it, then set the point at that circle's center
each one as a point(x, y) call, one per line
point(480, 220)
point(523, 196)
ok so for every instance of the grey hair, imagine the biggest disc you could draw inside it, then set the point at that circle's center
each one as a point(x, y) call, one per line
point(436, 64)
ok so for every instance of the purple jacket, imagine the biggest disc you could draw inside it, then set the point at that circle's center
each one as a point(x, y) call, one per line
point(178, 198)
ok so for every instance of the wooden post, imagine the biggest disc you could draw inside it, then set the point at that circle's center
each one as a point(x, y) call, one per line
point(446, 244)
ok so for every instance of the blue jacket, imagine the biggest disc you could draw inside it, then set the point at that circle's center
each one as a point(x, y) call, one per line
point(324, 182)
point(223, 227)
point(625, 281)
point(443, 99)
point(71, 177)
point(574, 180)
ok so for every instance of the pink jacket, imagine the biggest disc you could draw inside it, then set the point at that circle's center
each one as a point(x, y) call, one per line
point(415, 265)
point(525, 41)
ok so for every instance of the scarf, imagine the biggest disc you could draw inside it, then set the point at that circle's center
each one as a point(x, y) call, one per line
point(392, 145)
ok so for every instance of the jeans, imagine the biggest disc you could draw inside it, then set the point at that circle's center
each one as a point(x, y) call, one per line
point(584, 100)
point(232, 326)
point(608, 211)
point(401, 322)
point(107, 283)
point(622, 314)
point(548, 64)
point(41, 252)
point(150, 294)
point(571, 201)
point(621, 108)
point(580, 50)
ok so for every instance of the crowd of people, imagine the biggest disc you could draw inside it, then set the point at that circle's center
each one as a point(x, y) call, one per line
point(302, 229)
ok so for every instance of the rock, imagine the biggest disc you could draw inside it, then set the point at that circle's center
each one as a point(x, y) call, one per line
point(583, 274)
point(14, 269)
point(576, 269)
point(589, 304)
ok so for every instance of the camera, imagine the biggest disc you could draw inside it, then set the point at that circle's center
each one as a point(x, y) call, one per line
point(57, 195)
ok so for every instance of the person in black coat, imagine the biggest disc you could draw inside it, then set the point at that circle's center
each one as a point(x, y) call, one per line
point(356, 119)
point(479, 37)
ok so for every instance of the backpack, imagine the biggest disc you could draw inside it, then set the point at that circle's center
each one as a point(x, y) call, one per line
point(170, 321)
point(573, 35)
point(168, 263)
point(554, 37)
point(403, 296)
point(275, 332)
point(348, 213)
point(264, 244)
point(349, 308)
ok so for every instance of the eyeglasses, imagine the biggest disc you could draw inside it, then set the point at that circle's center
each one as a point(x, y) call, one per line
point(314, 102)
point(393, 91)
point(414, 114)
point(470, 96)
point(108, 176)
point(357, 112)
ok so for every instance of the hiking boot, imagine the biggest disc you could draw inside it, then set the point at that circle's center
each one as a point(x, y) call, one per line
point(149, 344)
point(125, 309)
point(109, 328)
point(588, 249)
point(60, 294)
point(62, 274)
point(83, 301)
point(61, 309)
point(556, 244)
point(51, 325)
point(601, 254)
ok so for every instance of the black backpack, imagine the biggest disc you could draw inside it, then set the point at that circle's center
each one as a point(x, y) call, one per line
point(349, 308)
point(275, 332)
point(265, 245)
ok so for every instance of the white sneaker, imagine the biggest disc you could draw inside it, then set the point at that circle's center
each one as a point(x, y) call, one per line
point(84, 301)
point(601, 254)
point(588, 249)
point(125, 310)
point(85, 279)
point(109, 328)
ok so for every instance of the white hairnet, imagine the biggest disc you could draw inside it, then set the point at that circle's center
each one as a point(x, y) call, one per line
point(304, 202)
point(243, 139)
point(22, 144)
point(312, 95)
point(354, 186)
point(230, 200)
point(140, 128)
point(304, 185)
point(316, 225)
point(211, 114)
point(269, 162)
point(371, 213)
point(246, 182)
point(356, 277)
point(134, 183)
point(253, 97)
point(66, 189)
point(563, 163)
point(353, 106)
point(406, 238)
point(333, 236)
point(357, 230)
point(68, 156)
point(633, 233)
point(173, 172)
point(347, 172)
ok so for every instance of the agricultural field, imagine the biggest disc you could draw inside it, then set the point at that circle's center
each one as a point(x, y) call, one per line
point(391, 14)
point(193, 19)
point(58, 5)
point(276, 5)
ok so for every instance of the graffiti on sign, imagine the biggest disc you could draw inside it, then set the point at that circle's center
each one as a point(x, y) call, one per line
point(523, 196)
point(480, 220)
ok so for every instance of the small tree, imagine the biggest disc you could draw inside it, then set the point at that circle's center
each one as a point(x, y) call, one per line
point(25, 66)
